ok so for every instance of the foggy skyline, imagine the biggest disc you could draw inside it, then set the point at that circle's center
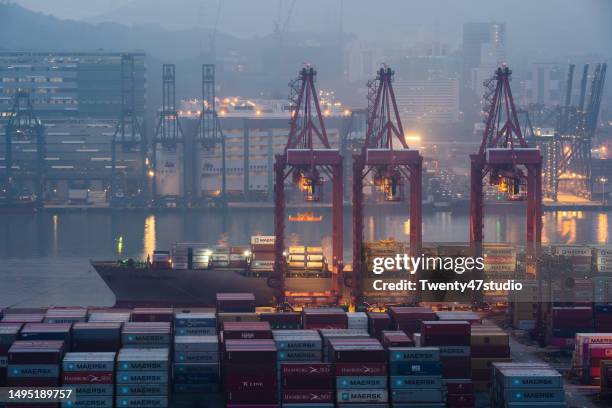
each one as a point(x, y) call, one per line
point(544, 28)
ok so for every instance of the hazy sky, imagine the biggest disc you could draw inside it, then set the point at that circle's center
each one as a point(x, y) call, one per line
point(558, 26)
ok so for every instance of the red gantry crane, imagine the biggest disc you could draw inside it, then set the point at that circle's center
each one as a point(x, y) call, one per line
point(389, 163)
point(507, 159)
point(307, 156)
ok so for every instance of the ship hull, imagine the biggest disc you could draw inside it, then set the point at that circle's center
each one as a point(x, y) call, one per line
point(135, 287)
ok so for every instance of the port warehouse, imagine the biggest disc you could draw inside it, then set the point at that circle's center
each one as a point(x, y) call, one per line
point(316, 357)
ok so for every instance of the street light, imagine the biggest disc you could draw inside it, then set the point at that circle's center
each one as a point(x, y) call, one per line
point(603, 180)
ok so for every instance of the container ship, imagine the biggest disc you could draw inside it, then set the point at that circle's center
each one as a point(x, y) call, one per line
point(191, 273)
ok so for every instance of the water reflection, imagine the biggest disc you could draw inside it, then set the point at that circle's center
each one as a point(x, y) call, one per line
point(150, 236)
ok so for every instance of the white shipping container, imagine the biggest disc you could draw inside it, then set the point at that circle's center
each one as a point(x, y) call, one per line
point(572, 250)
point(263, 240)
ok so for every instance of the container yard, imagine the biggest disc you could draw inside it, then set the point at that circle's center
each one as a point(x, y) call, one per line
point(406, 357)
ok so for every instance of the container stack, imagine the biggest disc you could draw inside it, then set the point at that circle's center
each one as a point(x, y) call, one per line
point(307, 384)
point(591, 369)
point(356, 383)
point(109, 316)
point(460, 393)
point(221, 257)
point(415, 377)
point(565, 322)
point(603, 260)
point(92, 337)
point(324, 318)
point(153, 314)
point(606, 378)
point(262, 248)
point(22, 318)
point(602, 289)
point(47, 331)
point(196, 364)
point(91, 376)
point(142, 377)
point(246, 331)
point(526, 384)
point(602, 315)
point(582, 342)
point(580, 257)
point(195, 324)
point(408, 319)
point(9, 332)
point(327, 335)
point(489, 344)
point(377, 322)
point(298, 345)
point(525, 304)
point(249, 372)
point(452, 337)
point(238, 257)
point(35, 363)
point(65, 315)
point(235, 303)
point(146, 335)
point(499, 266)
point(296, 258)
point(283, 320)
point(396, 338)
point(357, 320)
point(191, 255)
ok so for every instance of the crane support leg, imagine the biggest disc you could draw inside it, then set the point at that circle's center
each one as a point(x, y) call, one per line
point(337, 225)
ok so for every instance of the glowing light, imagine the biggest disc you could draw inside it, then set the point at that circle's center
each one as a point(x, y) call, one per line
point(151, 173)
point(150, 236)
point(602, 228)
point(412, 138)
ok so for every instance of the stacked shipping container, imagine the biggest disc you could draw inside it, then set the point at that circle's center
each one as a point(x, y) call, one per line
point(415, 376)
point(91, 376)
point(142, 377)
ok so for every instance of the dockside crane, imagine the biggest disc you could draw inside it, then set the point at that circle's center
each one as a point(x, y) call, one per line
point(24, 129)
point(129, 133)
point(307, 157)
point(208, 132)
point(506, 158)
point(574, 135)
point(168, 132)
point(387, 157)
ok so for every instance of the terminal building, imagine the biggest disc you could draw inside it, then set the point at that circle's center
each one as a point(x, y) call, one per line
point(77, 97)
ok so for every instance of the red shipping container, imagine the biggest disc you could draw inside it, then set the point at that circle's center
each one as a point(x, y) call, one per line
point(250, 351)
point(23, 318)
point(161, 314)
point(462, 386)
point(445, 333)
point(36, 352)
point(307, 375)
point(287, 319)
point(235, 302)
point(460, 401)
point(456, 367)
point(247, 330)
point(307, 396)
point(396, 339)
point(324, 318)
point(377, 322)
